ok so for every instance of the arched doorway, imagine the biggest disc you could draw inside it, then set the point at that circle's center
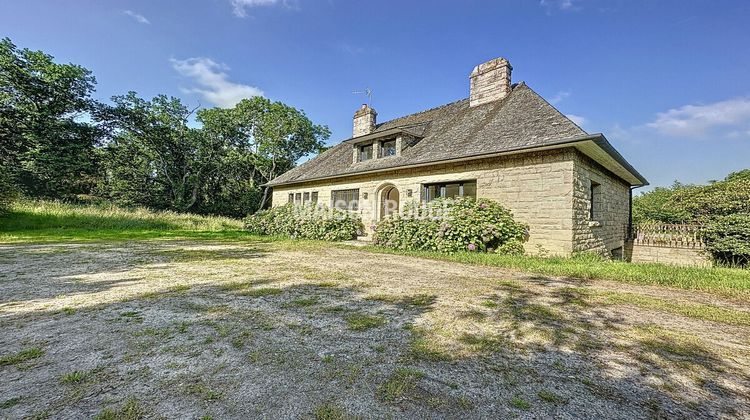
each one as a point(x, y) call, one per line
point(389, 201)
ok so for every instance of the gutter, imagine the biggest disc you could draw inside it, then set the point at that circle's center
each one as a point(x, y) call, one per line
point(597, 138)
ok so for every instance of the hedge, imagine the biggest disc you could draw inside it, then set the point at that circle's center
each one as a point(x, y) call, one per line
point(305, 222)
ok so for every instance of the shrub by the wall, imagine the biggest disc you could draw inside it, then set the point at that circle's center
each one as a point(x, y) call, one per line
point(305, 222)
point(728, 239)
point(452, 225)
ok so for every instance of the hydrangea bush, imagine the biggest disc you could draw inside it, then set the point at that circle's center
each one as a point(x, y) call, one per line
point(452, 225)
point(305, 222)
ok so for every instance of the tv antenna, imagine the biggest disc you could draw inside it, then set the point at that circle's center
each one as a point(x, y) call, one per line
point(367, 92)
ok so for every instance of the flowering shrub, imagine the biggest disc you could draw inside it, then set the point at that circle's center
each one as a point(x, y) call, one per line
point(306, 222)
point(451, 225)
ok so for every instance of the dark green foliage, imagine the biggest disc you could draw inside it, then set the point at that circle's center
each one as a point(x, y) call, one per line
point(305, 222)
point(656, 206)
point(722, 207)
point(157, 160)
point(8, 191)
point(451, 225)
point(45, 147)
point(728, 238)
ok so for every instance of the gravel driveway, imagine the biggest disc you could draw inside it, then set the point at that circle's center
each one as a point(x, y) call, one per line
point(199, 329)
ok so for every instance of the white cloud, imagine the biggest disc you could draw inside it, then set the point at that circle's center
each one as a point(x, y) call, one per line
point(701, 120)
point(137, 17)
point(565, 5)
point(559, 96)
point(213, 81)
point(239, 7)
point(579, 120)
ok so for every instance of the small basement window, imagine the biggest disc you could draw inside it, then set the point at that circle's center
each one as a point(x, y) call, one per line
point(595, 201)
point(345, 199)
point(450, 190)
point(388, 148)
point(365, 152)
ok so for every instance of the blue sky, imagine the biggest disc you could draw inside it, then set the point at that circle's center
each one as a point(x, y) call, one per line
point(666, 81)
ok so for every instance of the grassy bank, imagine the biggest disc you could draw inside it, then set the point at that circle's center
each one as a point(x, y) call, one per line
point(48, 221)
point(729, 282)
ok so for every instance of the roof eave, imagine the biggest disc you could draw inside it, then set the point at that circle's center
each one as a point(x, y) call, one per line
point(618, 165)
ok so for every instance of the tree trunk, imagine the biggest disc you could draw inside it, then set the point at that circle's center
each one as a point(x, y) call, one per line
point(263, 199)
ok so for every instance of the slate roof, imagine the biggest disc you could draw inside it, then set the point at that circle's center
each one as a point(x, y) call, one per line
point(521, 120)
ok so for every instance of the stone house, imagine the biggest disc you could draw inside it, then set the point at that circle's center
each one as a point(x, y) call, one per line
point(503, 142)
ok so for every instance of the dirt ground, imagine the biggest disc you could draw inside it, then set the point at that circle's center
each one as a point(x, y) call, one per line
point(197, 329)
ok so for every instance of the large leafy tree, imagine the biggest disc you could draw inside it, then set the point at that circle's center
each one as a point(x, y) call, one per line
point(46, 148)
point(154, 158)
point(270, 136)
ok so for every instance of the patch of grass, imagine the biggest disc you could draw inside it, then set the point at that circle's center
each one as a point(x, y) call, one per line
point(21, 356)
point(240, 340)
point(305, 301)
point(485, 343)
point(52, 221)
point(473, 314)
point(10, 402)
point(690, 310)
point(551, 397)
point(730, 282)
point(68, 310)
point(519, 403)
point(262, 291)
point(180, 288)
point(74, 377)
point(422, 347)
point(414, 301)
point(330, 411)
point(673, 345)
point(490, 304)
point(399, 385)
point(235, 286)
point(202, 391)
point(131, 410)
point(361, 322)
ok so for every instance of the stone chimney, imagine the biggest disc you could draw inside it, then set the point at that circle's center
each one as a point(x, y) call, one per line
point(364, 120)
point(490, 81)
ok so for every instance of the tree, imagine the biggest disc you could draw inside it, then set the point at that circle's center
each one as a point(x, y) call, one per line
point(273, 135)
point(46, 148)
point(154, 158)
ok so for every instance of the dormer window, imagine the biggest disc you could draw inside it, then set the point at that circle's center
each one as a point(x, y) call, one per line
point(388, 148)
point(365, 152)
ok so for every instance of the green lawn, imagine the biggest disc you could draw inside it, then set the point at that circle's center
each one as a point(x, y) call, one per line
point(48, 221)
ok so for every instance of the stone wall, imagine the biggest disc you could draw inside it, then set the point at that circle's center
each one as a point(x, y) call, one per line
point(686, 257)
point(605, 233)
point(536, 187)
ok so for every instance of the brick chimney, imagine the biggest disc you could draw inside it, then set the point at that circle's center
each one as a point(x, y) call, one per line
point(490, 81)
point(364, 120)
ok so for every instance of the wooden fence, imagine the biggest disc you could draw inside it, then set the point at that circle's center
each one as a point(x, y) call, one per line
point(666, 235)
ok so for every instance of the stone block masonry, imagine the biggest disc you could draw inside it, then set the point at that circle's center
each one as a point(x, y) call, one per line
point(546, 190)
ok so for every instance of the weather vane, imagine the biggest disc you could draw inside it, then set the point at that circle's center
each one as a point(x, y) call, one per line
point(367, 92)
